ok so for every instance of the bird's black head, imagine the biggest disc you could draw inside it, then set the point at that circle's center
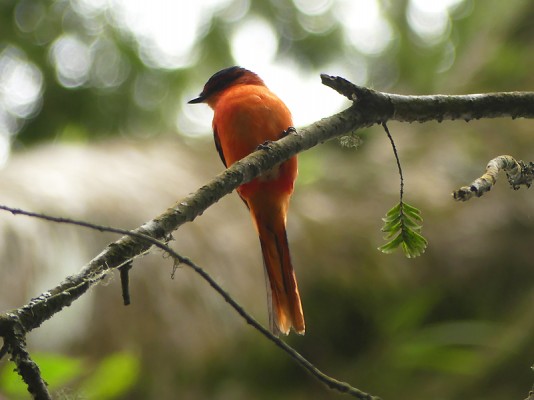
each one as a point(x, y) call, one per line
point(224, 79)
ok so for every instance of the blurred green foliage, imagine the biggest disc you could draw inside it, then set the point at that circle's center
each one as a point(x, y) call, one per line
point(121, 93)
point(58, 371)
point(114, 376)
point(111, 378)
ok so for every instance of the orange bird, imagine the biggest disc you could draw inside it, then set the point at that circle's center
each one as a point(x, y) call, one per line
point(246, 115)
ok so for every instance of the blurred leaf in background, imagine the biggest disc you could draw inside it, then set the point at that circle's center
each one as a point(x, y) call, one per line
point(102, 68)
point(112, 378)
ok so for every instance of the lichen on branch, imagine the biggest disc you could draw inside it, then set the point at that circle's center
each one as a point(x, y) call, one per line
point(518, 173)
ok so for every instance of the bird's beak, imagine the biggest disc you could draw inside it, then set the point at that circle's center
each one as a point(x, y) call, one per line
point(197, 100)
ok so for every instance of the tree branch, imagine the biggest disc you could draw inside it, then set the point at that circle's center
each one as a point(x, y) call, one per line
point(518, 173)
point(437, 107)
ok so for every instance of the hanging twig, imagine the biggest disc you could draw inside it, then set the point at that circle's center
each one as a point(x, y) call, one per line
point(125, 282)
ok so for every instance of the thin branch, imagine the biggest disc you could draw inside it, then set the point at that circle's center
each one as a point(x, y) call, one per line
point(330, 382)
point(518, 173)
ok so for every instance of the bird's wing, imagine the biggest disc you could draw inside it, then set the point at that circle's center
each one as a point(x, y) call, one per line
point(218, 145)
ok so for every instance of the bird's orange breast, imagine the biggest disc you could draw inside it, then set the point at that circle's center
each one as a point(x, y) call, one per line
point(247, 116)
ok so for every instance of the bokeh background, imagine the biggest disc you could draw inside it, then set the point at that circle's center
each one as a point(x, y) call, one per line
point(94, 125)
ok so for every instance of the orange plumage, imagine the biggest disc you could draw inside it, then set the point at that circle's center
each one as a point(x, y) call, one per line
point(247, 114)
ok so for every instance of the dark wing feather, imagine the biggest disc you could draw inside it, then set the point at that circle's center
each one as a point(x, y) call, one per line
point(218, 145)
point(221, 154)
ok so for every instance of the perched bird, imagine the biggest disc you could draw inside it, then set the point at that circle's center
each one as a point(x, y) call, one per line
point(246, 115)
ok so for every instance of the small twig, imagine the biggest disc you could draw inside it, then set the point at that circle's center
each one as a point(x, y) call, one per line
point(125, 282)
point(518, 173)
point(397, 159)
point(61, 220)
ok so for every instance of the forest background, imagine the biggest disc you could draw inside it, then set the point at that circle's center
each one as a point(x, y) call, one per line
point(94, 125)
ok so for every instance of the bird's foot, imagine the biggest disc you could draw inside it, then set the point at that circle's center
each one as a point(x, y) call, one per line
point(265, 145)
point(289, 130)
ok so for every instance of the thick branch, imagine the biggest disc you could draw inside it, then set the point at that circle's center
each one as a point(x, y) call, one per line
point(438, 107)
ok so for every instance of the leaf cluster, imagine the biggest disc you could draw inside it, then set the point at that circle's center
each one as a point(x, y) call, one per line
point(402, 227)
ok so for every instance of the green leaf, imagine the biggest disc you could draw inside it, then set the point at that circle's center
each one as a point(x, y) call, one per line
point(391, 228)
point(394, 211)
point(392, 218)
point(414, 244)
point(410, 209)
point(411, 224)
point(412, 212)
point(391, 246)
point(402, 223)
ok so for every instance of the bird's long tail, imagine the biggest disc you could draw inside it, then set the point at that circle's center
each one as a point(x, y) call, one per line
point(285, 308)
